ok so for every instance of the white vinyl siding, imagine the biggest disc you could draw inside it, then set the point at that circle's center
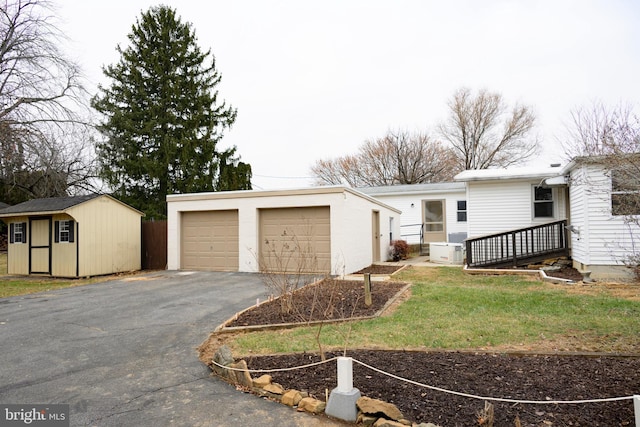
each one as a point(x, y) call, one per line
point(604, 239)
point(497, 206)
point(411, 218)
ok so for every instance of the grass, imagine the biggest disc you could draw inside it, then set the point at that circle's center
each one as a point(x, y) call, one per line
point(451, 310)
point(14, 286)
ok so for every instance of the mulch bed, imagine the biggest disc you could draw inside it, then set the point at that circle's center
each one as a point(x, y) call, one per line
point(340, 299)
point(515, 377)
point(522, 377)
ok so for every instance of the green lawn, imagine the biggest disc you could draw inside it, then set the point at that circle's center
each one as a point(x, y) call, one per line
point(451, 310)
point(23, 285)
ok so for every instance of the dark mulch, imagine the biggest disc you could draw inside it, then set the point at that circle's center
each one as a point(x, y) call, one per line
point(566, 273)
point(340, 299)
point(379, 269)
point(514, 377)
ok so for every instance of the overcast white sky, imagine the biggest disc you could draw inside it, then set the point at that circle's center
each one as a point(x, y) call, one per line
point(315, 79)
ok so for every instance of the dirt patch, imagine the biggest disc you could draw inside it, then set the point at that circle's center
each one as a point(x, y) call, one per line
point(540, 378)
point(340, 299)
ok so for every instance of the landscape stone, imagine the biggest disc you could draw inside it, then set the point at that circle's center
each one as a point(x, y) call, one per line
point(291, 397)
point(242, 377)
point(383, 422)
point(374, 406)
point(262, 381)
point(366, 420)
point(311, 405)
point(274, 388)
point(224, 357)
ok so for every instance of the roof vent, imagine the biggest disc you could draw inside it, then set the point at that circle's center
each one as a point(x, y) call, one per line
point(555, 165)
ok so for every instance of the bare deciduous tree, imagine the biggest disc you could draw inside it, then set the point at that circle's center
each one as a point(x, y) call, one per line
point(396, 158)
point(484, 133)
point(42, 107)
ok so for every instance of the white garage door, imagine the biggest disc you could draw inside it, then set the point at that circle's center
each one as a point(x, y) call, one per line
point(295, 240)
point(210, 240)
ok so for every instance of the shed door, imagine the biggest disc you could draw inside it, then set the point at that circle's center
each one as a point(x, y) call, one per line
point(210, 241)
point(40, 246)
point(295, 240)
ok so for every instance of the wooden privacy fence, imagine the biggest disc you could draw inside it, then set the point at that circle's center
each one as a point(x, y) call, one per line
point(154, 245)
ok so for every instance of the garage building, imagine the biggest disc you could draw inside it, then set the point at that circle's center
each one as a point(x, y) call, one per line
point(321, 230)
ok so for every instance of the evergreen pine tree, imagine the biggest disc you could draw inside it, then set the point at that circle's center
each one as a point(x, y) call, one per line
point(162, 118)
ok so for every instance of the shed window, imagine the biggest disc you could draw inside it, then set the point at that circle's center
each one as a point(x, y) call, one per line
point(462, 211)
point(625, 192)
point(542, 202)
point(18, 232)
point(64, 231)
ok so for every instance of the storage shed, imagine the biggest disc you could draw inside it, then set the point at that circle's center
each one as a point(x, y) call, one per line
point(323, 229)
point(73, 236)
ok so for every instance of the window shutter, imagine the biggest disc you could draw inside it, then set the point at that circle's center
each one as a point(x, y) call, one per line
point(11, 237)
point(24, 232)
point(72, 227)
point(56, 231)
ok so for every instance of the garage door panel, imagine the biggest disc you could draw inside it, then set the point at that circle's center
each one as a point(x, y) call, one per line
point(210, 240)
point(295, 239)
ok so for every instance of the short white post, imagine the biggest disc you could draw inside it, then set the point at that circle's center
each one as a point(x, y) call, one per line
point(343, 398)
point(636, 408)
point(345, 374)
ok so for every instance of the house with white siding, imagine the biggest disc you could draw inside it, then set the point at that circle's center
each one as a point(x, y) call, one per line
point(599, 239)
point(503, 199)
point(430, 212)
point(518, 214)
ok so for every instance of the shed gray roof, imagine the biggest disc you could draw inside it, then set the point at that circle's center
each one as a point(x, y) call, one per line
point(52, 204)
point(3, 205)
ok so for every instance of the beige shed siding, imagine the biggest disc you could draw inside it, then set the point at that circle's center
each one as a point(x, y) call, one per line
point(604, 239)
point(18, 253)
point(63, 254)
point(295, 239)
point(210, 240)
point(497, 206)
point(108, 236)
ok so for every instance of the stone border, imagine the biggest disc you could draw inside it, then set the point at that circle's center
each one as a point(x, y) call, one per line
point(223, 328)
point(371, 412)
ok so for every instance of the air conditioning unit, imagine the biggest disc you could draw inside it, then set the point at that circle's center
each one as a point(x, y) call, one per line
point(446, 253)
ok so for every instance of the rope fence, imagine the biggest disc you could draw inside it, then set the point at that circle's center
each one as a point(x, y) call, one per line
point(434, 388)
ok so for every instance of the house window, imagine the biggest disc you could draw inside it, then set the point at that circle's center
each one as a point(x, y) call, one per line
point(64, 231)
point(462, 211)
point(18, 232)
point(542, 202)
point(625, 192)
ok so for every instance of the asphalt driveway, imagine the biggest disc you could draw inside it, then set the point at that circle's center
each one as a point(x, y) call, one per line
point(122, 353)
